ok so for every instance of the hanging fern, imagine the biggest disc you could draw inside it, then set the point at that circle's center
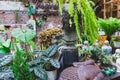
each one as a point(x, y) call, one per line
point(77, 25)
point(89, 22)
point(60, 2)
point(71, 8)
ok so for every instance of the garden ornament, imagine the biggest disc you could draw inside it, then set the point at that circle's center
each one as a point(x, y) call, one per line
point(31, 24)
point(87, 70)
point(69, 30)
point(106, 48)
point(86, 45)
point(117, 52)
point(82, 71)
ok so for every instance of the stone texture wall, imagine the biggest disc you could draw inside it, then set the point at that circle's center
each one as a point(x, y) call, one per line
point(52, 21)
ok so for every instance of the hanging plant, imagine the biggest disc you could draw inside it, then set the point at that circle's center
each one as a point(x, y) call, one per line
point(89, 22)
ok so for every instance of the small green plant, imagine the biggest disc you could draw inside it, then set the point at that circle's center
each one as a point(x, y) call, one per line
point(109, 26)
point(5, 47)
point(20, 67)
point(92, 52)
point(45, 61)
point(24, 36)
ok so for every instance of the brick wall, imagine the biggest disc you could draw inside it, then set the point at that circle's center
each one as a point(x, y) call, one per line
point(9, 18)
point(52, 21)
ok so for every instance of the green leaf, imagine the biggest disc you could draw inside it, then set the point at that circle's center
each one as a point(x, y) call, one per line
point(32, 43)
point(42, 52)
point(24, 35)
point(55, 63)
point(5, 60)
point(41, 73)
point(51, 50)
point(4, 50)
point(35, 62)
point(7, 44)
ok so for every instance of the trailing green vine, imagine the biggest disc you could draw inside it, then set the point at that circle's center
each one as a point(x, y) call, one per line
point(89, 22)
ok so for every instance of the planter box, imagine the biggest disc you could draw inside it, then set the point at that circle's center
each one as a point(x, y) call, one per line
point(116, 44)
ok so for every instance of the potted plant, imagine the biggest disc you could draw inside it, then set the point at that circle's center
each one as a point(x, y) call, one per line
point(22, 54)
point(45, 64)
point(109, 26)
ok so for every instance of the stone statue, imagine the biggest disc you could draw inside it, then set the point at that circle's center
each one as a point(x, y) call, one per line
point(106, 48)
point(68, 29)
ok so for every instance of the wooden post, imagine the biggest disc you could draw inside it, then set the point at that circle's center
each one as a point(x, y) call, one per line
point(104, 10)
point(118, 5)
point(111, 8)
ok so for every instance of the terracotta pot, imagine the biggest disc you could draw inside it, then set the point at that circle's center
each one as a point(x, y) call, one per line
point(116, 44)
point(104, 38)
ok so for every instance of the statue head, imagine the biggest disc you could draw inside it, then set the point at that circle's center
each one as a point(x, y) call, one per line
point(106, 42)
point(67, 26)
point(117, 51)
